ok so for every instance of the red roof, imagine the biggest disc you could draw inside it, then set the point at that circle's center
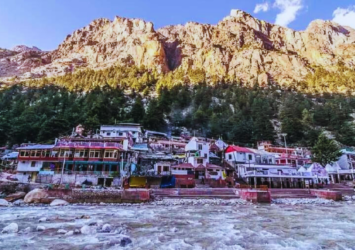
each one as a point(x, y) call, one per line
point(233, 148)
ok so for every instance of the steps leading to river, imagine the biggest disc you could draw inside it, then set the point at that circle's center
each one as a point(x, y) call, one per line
point(291, 193)
point(195, 193)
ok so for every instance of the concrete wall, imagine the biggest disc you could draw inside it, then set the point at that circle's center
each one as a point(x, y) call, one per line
point(97, 196)
point(327, 194)
point(25, 166)
point(75, 179)
point(255, 196)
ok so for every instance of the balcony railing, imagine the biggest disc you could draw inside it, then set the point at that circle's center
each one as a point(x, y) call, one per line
point(89, 145)
point(278, 174)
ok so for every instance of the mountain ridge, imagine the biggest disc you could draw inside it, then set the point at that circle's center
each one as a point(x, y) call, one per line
point(238, 48)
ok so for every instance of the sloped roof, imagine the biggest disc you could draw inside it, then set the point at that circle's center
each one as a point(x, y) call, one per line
point(237, 149)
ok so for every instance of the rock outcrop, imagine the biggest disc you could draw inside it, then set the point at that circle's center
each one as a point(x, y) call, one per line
point(240, 47)
point(35, 196)
point(15, 196)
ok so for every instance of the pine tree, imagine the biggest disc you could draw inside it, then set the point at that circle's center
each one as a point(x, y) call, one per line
point(325, 151)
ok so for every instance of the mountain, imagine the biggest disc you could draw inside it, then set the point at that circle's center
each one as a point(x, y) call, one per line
point(240, 47)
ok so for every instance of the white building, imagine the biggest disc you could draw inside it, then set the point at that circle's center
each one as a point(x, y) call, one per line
point(237, 155)
point(122, 130)
point(197, 152)
point(34, 158)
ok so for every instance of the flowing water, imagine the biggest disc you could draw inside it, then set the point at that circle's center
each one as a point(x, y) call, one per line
point(203, 226)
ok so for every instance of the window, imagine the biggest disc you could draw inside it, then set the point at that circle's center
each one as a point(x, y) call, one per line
point(205, 155)
point(108, 133)
point(108, 154)
point(199, 161)
point(38, 153)
point(165, 169)
point(33, 163)
point(250, 157)
point(27, 153)
point(120, 134)
point(33, 153)
point(230, 157)
point(22, 153)
point(199, 146)
point(94, 154)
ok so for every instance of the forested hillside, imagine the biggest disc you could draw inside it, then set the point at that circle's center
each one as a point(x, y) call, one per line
point(41, 110)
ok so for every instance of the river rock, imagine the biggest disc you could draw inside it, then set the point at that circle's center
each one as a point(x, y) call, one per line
point(106, 228)
point(35, 196)
point(62, 231)
point(87, 230)
point(77, 231)
point(27, 230)
point(11, 228)
point(4, 203)
point(70, 233)
point(43, 219)
point(19, 202)
point(59, 202)
point(353, 197)
point(40, 228)
point(125, 241)
point(15, 196)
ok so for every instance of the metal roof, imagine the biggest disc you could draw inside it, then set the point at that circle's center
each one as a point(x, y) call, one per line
point(36, 147)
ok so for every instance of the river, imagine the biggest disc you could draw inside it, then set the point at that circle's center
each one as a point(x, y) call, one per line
point(184, 226)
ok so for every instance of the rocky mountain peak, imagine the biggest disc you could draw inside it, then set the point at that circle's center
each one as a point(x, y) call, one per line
point(24, 48)
point(240, 47)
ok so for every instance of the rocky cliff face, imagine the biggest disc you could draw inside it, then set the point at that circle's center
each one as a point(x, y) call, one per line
point(240, 47)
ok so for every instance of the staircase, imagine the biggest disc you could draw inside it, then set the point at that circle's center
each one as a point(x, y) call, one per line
point(291, 193)
point(195, 193)
point(346, 188)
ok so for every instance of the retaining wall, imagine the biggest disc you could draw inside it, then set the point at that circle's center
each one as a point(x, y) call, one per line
point(102, 195)
point(255, 196)
point(327, 194)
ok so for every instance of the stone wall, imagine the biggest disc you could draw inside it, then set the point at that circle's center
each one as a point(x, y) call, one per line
point(327, 194)
point(101, 195)
point(255, 196)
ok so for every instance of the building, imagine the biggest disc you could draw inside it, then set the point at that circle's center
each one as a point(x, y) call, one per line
point(122, 130)
point(295, 157)
point(9, 161)
point(343, 169)
point(36, 158)
point(260, 167)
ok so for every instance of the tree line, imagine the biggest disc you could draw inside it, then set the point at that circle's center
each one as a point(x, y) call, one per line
point(41, 110)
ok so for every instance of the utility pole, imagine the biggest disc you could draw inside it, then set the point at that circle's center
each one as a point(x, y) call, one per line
point(61, 176)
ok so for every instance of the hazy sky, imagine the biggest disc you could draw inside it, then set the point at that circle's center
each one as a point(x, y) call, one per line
point(45, 23)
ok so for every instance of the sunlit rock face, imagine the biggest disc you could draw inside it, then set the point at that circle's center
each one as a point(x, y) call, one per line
point(240, 47)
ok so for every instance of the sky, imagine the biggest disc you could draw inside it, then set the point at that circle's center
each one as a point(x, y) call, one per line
point(46, 23)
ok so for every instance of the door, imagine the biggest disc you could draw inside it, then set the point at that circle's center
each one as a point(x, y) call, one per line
point(159, 169)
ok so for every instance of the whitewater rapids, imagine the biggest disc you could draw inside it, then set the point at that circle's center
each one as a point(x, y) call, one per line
point(178, 224)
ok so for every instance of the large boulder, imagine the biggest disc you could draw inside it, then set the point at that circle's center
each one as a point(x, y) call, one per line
point(3, 203)
point(11, 228)
point(35, 196)
point(15, 196)
point(59, 202)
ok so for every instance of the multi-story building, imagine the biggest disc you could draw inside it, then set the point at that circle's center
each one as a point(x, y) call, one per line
point(122, 130)
point(295, 157)
point(73, 160)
